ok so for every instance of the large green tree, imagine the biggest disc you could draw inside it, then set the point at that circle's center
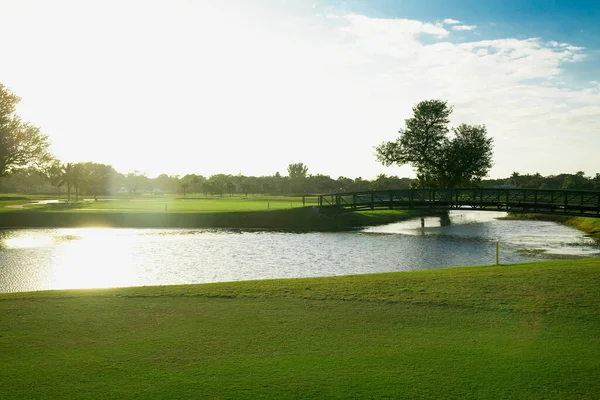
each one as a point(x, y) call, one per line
point(21, 144)
point(439, 160)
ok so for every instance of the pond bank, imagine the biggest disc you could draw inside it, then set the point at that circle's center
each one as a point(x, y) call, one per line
point(298, 219)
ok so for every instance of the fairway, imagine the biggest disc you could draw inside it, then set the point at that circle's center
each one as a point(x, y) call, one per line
point(512, 331)
point(159, 204)
point(289, 213)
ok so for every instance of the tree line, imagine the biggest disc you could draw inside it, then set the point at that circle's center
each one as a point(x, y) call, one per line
point(94, 179)
point(463, 160)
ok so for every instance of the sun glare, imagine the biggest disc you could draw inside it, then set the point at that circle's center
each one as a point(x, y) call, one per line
point(95, 258)
point(28, 241)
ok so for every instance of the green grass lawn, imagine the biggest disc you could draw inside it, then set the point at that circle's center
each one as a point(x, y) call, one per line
point(527, 331)
point(152, 204)
point(252, 212)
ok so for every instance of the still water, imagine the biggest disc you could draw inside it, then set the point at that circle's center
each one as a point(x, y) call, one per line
point(41, 259)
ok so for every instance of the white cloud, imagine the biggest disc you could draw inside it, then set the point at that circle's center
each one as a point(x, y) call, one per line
point(489, 82)
point(463, 27)
point(396, 27)
point(450, 21)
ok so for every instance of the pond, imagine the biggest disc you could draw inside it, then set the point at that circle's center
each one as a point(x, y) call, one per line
point(42, 259)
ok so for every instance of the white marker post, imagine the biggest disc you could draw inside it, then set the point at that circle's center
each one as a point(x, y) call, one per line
point(497, 253)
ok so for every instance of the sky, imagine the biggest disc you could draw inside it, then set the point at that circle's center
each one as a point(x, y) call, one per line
point(250, 86)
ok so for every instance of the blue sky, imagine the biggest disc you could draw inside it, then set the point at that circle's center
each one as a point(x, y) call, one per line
point(576, 22)
point(249, 86)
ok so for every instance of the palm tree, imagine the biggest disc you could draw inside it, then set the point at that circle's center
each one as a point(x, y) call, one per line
point(78, 172)
point(71, 176)
point(67, 178)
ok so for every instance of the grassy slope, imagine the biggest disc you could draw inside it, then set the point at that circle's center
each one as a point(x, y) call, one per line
point(520, 331)
point(262, 212)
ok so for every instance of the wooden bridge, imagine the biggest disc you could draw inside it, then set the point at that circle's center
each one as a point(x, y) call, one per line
point(539, 201)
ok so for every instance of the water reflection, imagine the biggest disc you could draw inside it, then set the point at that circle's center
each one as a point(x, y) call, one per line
point(38, 259)
point(92, 258)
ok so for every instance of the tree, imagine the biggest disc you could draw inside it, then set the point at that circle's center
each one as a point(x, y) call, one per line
point(596, 181)
point(98, 179)
point(229, 187)
point(464, 159)
point(218, 182)
point(71, 177)
point(185, 186)
point(439, 160)
point(136, 180)
point(21, 144)
point(297, 173)
point(54, 174)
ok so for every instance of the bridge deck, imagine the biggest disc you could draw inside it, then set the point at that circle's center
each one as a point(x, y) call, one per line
point(541, 201)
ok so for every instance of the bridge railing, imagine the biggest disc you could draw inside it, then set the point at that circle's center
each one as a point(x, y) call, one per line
point(568, 202)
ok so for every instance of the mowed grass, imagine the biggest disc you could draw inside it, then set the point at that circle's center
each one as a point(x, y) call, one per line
point(527, 331)
point(161, 204)
point(241, 212)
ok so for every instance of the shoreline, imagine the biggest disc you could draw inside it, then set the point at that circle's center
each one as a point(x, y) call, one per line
point(590, 226)
point(303, 219)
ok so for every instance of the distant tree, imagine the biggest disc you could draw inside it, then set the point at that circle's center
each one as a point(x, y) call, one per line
point(194, 182)
point(136, 181)
point(297, 174)
point(297, 171)
point(265, 187)
point(207, 187)
point(79, 178)
point(53, 173)
point(26, 180)
point(184, 186)
point(578, 181)
point(596, 182)
point(360, 185)
point(382, 182)
point(71, 175)
point(249, 184)
point(515, 179)
point(166, 183)
point(98, 179)
point(218, 182)
point(21, 144)
point(343, 184)
point(320, 184)
point(439, 160)
point(229, 187)
point(279, 183)
point(197, 181)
